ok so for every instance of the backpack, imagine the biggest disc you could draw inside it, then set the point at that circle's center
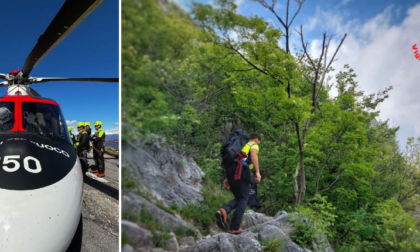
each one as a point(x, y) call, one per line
point(236, 142)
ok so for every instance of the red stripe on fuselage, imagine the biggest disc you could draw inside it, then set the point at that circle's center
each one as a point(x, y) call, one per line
point(18, 99)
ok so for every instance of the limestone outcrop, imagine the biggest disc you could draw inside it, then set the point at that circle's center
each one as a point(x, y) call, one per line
point(169, 176)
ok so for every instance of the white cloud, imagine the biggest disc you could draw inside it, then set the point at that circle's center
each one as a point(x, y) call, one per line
point(72, 123)
point(116, 123)
point(381, 54)
point(112, 131)
point(239, 2)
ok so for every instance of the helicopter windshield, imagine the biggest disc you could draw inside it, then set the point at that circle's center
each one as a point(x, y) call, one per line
point(45, 119)
point(7, 116)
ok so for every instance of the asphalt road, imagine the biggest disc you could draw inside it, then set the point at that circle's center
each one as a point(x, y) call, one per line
point(101, 209)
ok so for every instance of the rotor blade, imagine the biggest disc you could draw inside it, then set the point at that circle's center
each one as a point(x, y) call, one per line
point(4, 83)
point(71, 14)
point(33, 92)
point(2, 76)
point(39, 80)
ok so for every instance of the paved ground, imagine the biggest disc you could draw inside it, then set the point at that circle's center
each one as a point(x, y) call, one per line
point(101, 209)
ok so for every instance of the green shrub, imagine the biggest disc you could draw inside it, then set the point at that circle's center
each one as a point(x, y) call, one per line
point(272, 245)
point(202, 213)
point(159, 238)
point(183, 231)
point(312, 221)
point(165, 208)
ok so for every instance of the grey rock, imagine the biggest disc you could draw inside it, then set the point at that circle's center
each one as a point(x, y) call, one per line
point(135, 204)
point(251, 218)
point(187, 241)
point(213, 232)
point(158, 250)
point(190, 249)
point(322, 244)
point(247, 242)
point(171, 245)
point(280, 213)
point(137, 235)
point(270, 232)
point(167, 175)
point(208, 245)
point(226, 242)
point(127, 248)
point(199, 237)
point(151, 250)
point(290, 246)
point(285, 223)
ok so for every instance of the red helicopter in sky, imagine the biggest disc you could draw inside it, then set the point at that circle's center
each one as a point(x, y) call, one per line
point(41, 179)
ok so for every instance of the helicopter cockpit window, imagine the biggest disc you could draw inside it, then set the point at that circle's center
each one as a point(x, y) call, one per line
point(45, 119)
point(7, 116)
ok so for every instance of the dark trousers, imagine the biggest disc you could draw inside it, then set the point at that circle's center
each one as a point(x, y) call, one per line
point(99, 161)
point(83, 161)
point(240, 189)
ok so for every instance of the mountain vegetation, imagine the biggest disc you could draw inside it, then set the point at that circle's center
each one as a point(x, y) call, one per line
point(194, 77)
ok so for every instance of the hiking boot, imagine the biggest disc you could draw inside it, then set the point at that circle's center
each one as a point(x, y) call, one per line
point(101, 175)
point(94, 171)
point(236, 232)
point(221, 219)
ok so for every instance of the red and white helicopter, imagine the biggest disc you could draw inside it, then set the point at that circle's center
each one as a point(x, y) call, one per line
point(41, 181)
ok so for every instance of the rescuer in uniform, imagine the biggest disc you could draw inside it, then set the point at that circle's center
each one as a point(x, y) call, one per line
point(88, 129)
point(238, 178)
point(73, 138)
point(82, 145)
point(89, 132)
point(98, 141)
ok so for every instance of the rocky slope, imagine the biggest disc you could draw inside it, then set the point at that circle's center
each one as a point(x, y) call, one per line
point(174, 179)
point(167, 175)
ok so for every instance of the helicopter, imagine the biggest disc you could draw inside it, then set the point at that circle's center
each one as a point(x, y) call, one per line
point(41, 177)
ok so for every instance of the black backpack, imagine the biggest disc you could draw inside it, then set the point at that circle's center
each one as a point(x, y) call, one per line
point(236, 142)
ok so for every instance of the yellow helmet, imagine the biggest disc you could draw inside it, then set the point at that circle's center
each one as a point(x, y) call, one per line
point(87, 123)
point(70, 128)
point(97, 123)
point(80, 124)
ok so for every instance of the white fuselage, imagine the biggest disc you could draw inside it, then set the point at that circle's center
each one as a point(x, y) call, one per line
point(43, 219)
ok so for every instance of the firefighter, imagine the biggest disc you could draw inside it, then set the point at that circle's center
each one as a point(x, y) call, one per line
point(98, 141)
point(89, 132)
point(73, 138)
point(82, 145)
point(88, 129)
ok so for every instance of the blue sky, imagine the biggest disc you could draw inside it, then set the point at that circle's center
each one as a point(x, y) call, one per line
point(380, 37)
point(91, 50)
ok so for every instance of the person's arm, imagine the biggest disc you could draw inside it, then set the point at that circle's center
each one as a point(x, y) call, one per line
point(254, 158)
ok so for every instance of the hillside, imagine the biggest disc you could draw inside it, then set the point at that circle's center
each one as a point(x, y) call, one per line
point(190, 79)
point(154, 216)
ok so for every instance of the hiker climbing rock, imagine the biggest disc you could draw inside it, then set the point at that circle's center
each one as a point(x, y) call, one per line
point(238, 176)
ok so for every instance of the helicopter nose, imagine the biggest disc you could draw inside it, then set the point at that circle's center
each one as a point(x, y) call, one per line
point(34, 162)
point(43, 219)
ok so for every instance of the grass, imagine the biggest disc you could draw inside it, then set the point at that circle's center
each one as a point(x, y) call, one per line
point(183, 231)
point(128, 184)
point(165, 208)
point(112, 152)
point(159, 238)
point(159, 231)
point(125, 239)
point(272, 245)
point(202, 213)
